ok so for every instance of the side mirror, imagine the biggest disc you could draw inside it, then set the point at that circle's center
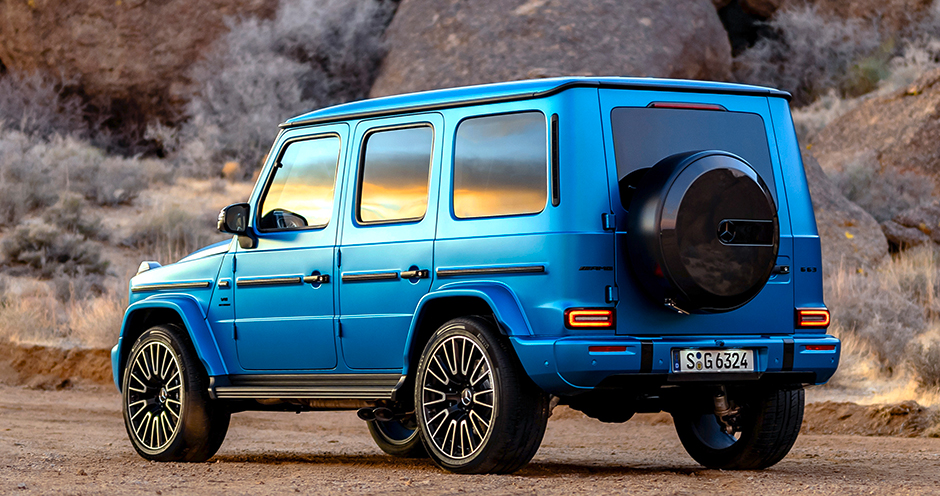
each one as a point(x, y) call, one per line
point(233, 219)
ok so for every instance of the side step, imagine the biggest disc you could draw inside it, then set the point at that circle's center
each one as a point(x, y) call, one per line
point(306, 386)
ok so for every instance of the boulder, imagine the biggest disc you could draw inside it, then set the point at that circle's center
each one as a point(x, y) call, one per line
point(760, 8)
point(446, 43)
point(132, 52)
point(924, 218)
point(901, 237)
point(850, 236)
point(893, 15)
point(900, 130)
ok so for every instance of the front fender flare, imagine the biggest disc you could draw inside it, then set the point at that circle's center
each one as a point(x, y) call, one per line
point(506, 308)
point(194, 319)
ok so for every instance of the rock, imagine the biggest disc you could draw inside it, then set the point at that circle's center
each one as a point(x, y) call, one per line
point(924, 218)
point(761, 8)
point(901, 237)
point(446, 43)
point(900, 130)
point(850, 236)
point(893, 15)
point(134, 53)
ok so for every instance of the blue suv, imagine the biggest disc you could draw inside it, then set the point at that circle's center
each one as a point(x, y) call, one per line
point(454, 264)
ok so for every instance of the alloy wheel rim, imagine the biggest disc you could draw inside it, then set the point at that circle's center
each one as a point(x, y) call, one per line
point(155, 396)
point(458, 398)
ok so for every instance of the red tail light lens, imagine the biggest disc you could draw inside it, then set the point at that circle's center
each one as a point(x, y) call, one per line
point(593, 318)
point(820, 347)
point(607, 349)
point(687, 106)
point(812, 318)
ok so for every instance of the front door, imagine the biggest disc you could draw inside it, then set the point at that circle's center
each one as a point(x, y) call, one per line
point(284, 298)
point(388, 237)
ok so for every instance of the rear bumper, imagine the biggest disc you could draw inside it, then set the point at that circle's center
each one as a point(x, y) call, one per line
point(566, 366)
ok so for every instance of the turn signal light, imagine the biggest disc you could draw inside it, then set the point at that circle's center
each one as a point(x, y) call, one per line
point(812, 317)
point(820, 347)
point(594, 318)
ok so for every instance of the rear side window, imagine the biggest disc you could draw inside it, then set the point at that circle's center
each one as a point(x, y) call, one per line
point(393, 183)
point(500, 165)
point(301, 192)
point(643, 136)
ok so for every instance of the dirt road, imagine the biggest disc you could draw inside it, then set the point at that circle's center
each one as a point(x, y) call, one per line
point(73, 442)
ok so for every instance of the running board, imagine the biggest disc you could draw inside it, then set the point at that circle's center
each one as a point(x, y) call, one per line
point(305, 386)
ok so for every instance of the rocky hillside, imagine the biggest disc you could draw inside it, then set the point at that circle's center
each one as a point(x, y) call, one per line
point(434, 44)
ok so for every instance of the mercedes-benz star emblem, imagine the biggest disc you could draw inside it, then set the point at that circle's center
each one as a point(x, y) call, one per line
point(726, 231)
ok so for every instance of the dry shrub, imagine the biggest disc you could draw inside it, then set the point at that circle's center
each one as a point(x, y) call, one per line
point(169, 234)
point(312, 54)
point(812, 54)
point(48, 251)
point(70, 214)
point(37, 105)
point(882, 194)
point(33, 174)
point(891, 314)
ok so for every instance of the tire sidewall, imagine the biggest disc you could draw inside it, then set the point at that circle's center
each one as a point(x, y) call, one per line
point(468, 329)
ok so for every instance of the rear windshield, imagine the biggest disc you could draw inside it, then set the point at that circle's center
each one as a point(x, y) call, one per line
point(643, 136)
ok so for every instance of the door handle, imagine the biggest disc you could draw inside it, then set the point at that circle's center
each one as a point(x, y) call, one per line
point(415, 274)
point(317, 279)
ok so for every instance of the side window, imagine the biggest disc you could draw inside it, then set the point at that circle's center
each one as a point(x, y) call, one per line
point(500, 165)
point(300, 194)
point(393, 183)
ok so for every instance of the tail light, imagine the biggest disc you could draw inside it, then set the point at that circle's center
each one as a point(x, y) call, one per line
point(687, 106)
point(589, 318)
point(808, 318)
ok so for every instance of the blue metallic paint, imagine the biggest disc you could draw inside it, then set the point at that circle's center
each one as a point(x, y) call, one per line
point(565, 240)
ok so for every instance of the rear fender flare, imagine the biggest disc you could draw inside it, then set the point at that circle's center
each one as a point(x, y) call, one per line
point(506, 307)
point(193, 317)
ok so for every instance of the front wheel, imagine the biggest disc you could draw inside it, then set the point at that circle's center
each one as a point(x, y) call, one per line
point(167, 411)
point(478, 411)
point(769, 424)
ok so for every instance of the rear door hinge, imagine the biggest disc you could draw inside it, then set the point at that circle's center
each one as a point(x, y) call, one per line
point(234, 332)
point(611, 294)
point(609, 221)
point(339, 257)
point(339, 329)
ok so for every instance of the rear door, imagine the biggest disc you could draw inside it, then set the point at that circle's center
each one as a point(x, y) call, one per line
point(387, 244)
point(643, 127)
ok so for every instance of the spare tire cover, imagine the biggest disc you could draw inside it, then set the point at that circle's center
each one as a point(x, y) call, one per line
point(702, 232)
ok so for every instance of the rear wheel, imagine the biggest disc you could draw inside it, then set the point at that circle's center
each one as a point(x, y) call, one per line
point(768, 425)
point(167, 411)
point(478, 411)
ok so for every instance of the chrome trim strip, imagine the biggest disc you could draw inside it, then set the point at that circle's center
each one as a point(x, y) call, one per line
point(372, 276)
point(313, 386)
point(170, 285)
point(519, 269)
point(268, 281)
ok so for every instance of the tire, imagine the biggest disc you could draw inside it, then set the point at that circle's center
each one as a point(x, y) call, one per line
point(167, 411)
point(481, 395)
point(398, 438)
point(704, 232)
point(770, 424)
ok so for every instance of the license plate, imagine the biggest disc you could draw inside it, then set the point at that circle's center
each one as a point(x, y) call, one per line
point(689, 360)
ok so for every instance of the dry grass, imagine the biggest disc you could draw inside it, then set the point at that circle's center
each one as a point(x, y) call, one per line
point(30, 313)
point(889, 321)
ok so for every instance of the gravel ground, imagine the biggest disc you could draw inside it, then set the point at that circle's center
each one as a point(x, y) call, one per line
point(73, 442)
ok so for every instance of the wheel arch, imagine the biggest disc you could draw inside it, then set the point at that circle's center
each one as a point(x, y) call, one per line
point(183, 311)
point(492, 300)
